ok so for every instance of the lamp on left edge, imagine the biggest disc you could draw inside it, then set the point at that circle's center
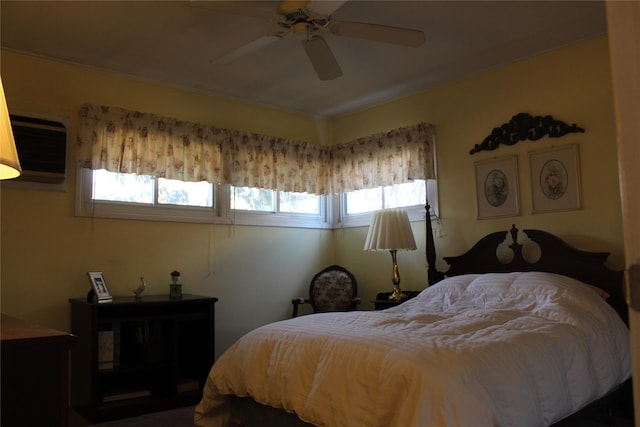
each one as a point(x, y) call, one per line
point(9, 163)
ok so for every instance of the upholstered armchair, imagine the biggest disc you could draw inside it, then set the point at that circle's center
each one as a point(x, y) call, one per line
point(332, 289)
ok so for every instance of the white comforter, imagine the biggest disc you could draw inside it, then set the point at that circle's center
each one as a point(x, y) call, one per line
point(515, 349)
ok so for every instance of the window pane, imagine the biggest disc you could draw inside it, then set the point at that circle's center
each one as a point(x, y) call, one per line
point(121, 187)
point(393, 196)
point(252, 199)
point(401, 195)
point(299, 203)
point(364, 201)
point(175, 192)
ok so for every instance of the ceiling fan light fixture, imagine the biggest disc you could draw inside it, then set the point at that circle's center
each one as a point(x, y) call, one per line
point(302, 30)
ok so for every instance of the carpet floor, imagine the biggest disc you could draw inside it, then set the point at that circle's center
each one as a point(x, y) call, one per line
point(183, 417)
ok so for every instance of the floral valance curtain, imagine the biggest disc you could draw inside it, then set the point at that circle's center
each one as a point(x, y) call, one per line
point(126, 141)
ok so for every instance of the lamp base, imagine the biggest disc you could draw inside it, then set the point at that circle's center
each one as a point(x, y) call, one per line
point(397, 294)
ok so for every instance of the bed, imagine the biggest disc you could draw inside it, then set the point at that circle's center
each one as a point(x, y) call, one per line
point(497, 341)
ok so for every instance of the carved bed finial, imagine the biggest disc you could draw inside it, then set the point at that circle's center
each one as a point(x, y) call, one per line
point(515, 246)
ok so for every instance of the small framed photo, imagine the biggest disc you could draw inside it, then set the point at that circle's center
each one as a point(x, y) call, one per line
point(99, 286)
point(497, 187)
point(555, 179)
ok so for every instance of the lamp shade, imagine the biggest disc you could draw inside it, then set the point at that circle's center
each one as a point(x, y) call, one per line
point(9, 163)
point(390, 229)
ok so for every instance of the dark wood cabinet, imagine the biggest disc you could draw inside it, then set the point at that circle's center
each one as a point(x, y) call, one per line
point(382, 300)
point(136, 356)
point(35, 374)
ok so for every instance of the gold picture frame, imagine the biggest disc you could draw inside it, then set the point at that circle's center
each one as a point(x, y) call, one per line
point(555, 179)
point(497, 191)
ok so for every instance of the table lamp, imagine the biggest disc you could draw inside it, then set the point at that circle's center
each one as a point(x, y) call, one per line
point(390, 230)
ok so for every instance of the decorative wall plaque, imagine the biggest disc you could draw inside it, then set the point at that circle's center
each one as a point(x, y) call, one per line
point(524, 126)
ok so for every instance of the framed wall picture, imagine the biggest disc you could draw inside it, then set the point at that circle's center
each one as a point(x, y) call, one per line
point(99, 286)
point(497, 187)
point(555, 179)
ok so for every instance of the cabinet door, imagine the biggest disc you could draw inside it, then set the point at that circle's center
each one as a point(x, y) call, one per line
point(139, 356)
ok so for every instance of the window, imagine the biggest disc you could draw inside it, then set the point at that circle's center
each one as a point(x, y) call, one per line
point(174, 192)
point(115, 195)
point(120, 187)
point(253, 199)
point(357, 206)
point(257, 206)
point(262, 200)
point(393, 196)
point(301, 203)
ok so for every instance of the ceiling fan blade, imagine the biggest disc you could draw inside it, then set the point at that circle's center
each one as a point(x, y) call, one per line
point(324, 7)
point(322, 58)
point(379, 33)
point(248, 48)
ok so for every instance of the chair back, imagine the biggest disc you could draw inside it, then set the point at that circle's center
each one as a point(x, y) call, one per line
point(333, 289)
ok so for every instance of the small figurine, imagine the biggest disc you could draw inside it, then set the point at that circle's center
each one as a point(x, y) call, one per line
point(140, 289)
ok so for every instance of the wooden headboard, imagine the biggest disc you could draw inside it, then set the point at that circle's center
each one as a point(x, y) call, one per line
point(556, 256)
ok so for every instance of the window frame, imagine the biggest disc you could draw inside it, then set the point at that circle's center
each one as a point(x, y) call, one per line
point(220, 213)
point(86, 206)
point(415, 212)
point(332, 210)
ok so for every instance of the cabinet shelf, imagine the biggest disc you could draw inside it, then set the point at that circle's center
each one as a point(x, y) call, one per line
point(137, 318)
point(136, 356)
point(132, 370)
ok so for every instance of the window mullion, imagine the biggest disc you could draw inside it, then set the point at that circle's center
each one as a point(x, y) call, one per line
point(156, 191)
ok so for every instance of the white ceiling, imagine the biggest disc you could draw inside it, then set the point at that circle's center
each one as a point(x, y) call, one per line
point(176, 43)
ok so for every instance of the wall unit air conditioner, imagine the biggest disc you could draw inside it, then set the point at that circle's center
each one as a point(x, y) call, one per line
point(42, 149)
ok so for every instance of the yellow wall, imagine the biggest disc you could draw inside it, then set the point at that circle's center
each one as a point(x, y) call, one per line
point(255, 271)
point(571, 84)
point(46, 250)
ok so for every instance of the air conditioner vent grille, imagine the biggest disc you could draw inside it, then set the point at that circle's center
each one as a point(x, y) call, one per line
point(42, 149)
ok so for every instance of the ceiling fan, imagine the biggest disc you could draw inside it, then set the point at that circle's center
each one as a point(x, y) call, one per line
point(307, 18)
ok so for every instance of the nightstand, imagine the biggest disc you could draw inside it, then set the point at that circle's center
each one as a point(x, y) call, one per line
point(382, 300)
point(35, 374)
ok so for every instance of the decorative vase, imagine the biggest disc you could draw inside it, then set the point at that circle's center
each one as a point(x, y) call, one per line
point(175, 291)
point(175, 277)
